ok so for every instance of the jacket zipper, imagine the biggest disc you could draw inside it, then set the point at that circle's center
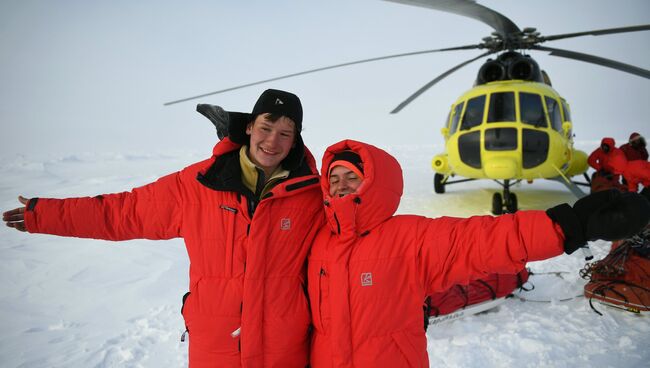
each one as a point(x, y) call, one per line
point(322, 274)
point(230, 242)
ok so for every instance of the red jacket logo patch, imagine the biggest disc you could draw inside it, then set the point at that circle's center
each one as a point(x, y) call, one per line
point(366, 279)
point(285, 224)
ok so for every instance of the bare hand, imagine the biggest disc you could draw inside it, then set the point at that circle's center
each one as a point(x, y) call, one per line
point(16, 217)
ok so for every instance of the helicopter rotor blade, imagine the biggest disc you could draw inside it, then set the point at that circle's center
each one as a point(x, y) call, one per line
point(596, 60)
point(467, 47)
point(468, 8)
point(436, 80)
point(597, 32)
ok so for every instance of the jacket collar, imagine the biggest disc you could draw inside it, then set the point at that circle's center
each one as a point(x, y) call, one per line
point(225, 172)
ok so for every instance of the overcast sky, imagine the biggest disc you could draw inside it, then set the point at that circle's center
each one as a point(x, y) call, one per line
point(93, 75)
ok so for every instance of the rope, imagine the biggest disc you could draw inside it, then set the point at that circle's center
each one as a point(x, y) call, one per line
point(608, 272)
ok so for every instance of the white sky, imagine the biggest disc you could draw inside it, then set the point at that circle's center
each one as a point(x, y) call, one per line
point(79, 75)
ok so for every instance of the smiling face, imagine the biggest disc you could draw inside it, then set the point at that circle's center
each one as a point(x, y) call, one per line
point(343, 181)
point(270, 141)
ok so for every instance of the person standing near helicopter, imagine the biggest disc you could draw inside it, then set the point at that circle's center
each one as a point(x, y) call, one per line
point(635, 148)
point(369, 270)
point(604, 159)
point(248, 215)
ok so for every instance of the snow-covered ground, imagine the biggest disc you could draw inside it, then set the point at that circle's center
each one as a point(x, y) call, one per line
point(83, 303)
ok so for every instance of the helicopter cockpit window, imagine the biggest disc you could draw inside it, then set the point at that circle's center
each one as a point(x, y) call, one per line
point(473, 113)
point(554, 113)
point(502, 107)
point(567, 112)
point(455, 118)
point(531, 109)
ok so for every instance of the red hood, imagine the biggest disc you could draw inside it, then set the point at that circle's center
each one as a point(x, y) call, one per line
point(376, 199)
point(609, 142)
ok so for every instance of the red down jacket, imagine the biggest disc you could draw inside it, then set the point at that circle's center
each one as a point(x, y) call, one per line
point(611, 161)
point(370, 271)
point(245, 271)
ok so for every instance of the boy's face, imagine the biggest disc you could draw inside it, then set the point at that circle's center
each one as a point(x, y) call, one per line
point(270, 141)
point(343, 181)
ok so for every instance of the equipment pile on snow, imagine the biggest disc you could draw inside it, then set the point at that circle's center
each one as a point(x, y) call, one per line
point(622, 278)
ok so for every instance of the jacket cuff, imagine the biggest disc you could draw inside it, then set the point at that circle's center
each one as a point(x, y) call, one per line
point(568, 220)
point(30, 221)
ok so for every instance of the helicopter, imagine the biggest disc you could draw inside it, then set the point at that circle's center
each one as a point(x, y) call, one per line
point(511, 125)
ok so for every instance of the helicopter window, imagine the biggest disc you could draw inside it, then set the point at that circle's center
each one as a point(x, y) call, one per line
point(554, 113)
point(501, 139)
point(567, 112)
point(532, 111)
point(469, 148)
point(455, 118)
point(502, 107)
point(473, 113)
point(534, 147)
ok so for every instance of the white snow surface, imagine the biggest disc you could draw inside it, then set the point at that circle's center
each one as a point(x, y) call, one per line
point(67, 302)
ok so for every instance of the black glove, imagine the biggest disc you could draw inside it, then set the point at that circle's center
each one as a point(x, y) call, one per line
point(607, 215)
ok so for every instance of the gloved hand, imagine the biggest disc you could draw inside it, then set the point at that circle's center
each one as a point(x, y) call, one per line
point(607, 215)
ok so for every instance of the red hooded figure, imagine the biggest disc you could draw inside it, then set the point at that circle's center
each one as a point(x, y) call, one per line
point(605, 157)
point(635, 148)
point(637, 172)
point(370, 270)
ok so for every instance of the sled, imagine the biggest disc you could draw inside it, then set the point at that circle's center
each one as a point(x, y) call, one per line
point(622, 279)
point(466, 311)
point(478, 296)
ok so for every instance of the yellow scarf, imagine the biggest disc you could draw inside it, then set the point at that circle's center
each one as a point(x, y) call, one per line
point(250, 173)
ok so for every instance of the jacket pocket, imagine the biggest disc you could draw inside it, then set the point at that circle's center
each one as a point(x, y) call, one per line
point(406, 343)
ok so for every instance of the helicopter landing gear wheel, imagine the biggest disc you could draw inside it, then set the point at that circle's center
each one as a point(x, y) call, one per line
point(438, 185)
point(511, 203)
point(497, 204)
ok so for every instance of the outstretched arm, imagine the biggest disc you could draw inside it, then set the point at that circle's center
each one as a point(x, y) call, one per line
point(16, 218)
point(153, 211)
point(458, 250)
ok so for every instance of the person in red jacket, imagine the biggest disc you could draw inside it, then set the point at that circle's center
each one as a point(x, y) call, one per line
point(369, 270)
point(248, 216)
point(636, 172)
point(603, 159)
point(635, 148)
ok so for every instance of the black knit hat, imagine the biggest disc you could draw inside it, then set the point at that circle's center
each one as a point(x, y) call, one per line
point(349, 159)
point(271, 101)
point(280, 102)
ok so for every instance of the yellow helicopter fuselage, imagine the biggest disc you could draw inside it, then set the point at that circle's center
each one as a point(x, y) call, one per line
point(510, 129)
